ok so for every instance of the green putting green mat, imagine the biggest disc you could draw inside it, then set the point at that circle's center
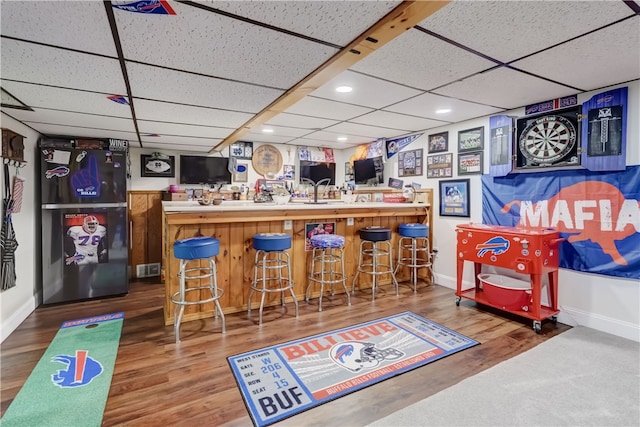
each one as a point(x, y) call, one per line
point(70, 384)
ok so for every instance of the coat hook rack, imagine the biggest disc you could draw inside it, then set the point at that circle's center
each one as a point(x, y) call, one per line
point(16, 163)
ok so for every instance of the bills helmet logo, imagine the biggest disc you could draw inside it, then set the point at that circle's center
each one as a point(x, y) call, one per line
point(80, 370)
point(356, 356)
point(496, 245)
point(59, 171)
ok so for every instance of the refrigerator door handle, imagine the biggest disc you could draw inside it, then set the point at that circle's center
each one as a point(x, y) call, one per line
point(83, 205)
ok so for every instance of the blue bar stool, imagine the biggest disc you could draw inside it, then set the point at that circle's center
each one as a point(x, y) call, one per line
point(328, 255)
point(375, 245)
point(414, 238)
point(196, 249)
point(272, 268)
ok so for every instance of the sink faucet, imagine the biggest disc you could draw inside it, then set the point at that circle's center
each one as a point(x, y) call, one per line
point(315, 187)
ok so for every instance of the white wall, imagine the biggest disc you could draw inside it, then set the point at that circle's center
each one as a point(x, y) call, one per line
point(601, 302)
point(18, 302)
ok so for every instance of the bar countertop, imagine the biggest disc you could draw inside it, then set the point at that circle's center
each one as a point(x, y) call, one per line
point(247, 206)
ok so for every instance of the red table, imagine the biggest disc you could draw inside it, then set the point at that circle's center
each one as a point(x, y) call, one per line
point(528, 251)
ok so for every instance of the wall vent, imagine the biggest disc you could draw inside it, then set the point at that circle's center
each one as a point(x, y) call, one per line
point(148, 270)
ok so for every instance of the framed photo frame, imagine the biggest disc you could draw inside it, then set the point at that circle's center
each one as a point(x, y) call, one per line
point(471, 139)
point(440, 165)
point(439, 142)
point(410, 163)
point(470, 163)
point(241, 150)
point(455, 198)
point(348, 172)
point(242, 174)
point(157, 167)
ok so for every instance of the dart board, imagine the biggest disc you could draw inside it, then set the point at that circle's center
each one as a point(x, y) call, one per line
point(548, 140)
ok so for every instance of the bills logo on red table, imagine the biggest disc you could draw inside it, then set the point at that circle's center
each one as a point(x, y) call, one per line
point(598, 213)
point(158, 7)
point(80, 370)
point(497, 245)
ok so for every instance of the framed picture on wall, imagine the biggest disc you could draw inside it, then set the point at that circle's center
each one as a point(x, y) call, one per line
point(470, 163)
point(410, 163)
point(157, 166)
point(439, 142)
point(454, 198)
point(440, 165)
point(241, 150)
point(471, 139)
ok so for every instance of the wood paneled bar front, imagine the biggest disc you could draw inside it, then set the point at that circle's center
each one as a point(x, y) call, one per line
point(235, 224)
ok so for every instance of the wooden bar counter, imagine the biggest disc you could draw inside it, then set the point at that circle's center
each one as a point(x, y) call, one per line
point(235, 223)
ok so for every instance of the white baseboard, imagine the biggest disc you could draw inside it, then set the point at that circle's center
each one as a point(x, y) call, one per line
point(572, 316)
point(18, 317)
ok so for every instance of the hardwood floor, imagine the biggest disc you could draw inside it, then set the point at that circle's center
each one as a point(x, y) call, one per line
point(157, 382)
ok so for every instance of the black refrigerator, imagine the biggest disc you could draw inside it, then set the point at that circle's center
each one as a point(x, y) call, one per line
point(83, 194)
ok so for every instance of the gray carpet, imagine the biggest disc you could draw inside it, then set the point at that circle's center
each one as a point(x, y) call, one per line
point(581, 377)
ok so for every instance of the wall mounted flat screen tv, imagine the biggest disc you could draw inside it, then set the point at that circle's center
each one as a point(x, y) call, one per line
point(204, 170)
point(317, 171)
point(369, 171)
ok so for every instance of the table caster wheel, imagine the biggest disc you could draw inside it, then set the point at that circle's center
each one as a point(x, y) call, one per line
point(537, 326)
point(554, 319)
point(458, 301)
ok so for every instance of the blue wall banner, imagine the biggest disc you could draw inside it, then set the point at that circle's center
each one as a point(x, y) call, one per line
point(596, 212)
point(394, 146)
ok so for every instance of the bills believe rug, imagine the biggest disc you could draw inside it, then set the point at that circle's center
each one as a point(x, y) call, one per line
point(283, 380)
point(70, 384)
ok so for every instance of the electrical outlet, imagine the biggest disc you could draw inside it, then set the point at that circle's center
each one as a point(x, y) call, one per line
point(349, 221)
point(288, 224)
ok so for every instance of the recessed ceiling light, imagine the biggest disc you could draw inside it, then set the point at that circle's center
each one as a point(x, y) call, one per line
point(443, 111)
point(342, 138)
point(267, 130)
point(344, 89)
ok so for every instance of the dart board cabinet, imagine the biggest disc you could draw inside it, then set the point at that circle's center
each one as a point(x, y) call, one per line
point(551, 139)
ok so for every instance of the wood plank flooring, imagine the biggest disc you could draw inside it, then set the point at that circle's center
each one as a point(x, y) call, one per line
point(157, 382)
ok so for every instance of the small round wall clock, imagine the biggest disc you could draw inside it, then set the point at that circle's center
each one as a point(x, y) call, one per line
point(267, 161)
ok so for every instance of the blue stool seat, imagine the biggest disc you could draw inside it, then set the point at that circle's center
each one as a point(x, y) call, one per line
point(327, 241)
point(375, 234)
point(196, 248)
point(270, 242)
point(191, 252)
point(413, 230)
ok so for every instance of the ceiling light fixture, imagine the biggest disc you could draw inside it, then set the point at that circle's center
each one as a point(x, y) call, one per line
point(267, 130)
point(341, 138)
point(443, 111)
point(344, 89)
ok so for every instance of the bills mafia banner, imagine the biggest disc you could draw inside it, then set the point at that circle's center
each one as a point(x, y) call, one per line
point(596, 212)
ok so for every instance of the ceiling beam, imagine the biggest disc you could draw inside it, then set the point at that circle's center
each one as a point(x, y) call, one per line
point(401, 19)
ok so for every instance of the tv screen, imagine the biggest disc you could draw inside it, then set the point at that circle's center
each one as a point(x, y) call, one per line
point(204, 170)
point(317, 171)
point(368, 171)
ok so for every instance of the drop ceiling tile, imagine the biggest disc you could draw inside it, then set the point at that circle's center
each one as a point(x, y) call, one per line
point(298, 121)
point(507, 30)
point(80, 132)
point(367, 91)
point(65, 118)
point(32, 63)
point(373, 132)
point(427, 104)
point(215, 45)
point(187, 114)
point(48, 97)
point(402, 121)
point(76, 25)
point(421, 61)
point(270, 139)
point(178, 142)
point(337, 22)
point(506, 88)
point(174, 86)
point(174, 129)
point(318, 143)
point(182, 148)
point(332, 137)
point(280, 131)
point(587, 62)
point(312, 106)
